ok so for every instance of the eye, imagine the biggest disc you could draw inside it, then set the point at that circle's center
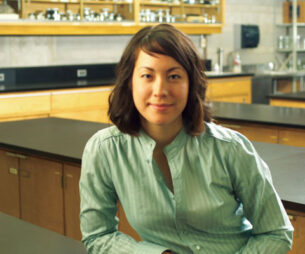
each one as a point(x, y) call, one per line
point(174, 76)
point(146, 76)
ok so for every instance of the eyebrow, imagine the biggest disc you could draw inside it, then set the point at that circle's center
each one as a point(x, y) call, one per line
point(169, 70)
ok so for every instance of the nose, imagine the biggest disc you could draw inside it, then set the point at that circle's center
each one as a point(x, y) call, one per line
point(160, 87)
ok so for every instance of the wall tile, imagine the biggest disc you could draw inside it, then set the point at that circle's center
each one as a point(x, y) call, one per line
point(4, 52)
point(30, 50)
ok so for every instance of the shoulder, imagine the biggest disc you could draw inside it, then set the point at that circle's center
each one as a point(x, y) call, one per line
point(107, 136)
point(226, 137)
point(220, 133)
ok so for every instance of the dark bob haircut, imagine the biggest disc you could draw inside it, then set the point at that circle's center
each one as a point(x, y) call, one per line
point(167, 40)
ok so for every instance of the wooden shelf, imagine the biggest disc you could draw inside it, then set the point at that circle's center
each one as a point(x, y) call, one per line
point(108, 2)
point(90, 28)
point(130, 25)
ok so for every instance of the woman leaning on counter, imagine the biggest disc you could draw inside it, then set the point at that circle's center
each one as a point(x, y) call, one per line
point(186, 184)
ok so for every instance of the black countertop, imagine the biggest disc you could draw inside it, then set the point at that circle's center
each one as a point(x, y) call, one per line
point(299, 96)
point(259, 113)
point(65, 139)
point(20, 237)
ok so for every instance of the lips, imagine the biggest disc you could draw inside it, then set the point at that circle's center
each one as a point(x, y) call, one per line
point(160, 106)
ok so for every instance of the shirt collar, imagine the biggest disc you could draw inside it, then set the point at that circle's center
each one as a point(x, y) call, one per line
point(171, 148)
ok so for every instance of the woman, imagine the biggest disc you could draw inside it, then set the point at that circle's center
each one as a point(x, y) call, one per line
point(186, 184)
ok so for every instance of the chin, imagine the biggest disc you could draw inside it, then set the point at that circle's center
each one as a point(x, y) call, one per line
point(161, 122)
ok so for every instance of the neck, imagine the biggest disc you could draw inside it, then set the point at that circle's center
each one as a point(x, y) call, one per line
point(162, 135)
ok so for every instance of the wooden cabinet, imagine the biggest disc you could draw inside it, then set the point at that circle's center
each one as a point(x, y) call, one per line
point(31, 189)
point(24, 105)
point(9, 184)
point(45, 193)
point(235, 89)
point(298, 221)
point(191, 17)
point(90, 104)
point(267, 133)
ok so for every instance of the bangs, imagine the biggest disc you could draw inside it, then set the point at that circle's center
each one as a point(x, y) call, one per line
point(160, 43)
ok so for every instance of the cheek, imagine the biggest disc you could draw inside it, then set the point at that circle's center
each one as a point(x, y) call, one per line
point(182, 92)
point(139, 93)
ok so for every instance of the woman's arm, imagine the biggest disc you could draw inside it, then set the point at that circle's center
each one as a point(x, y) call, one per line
point(251, 178)
point(98, 207)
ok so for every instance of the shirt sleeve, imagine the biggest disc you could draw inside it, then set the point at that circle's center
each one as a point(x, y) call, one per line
point(99, 225)
point(272, 230)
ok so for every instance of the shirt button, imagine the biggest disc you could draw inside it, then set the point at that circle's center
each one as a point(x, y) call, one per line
point(198, 247)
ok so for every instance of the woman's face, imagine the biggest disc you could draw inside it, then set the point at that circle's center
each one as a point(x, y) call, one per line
point(160, 88)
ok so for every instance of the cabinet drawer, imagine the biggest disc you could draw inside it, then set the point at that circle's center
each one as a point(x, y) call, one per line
point(79, 99)
point(229, 90)
point(24, 104)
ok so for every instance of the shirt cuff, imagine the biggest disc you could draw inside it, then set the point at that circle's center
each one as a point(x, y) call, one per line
point(149, 248)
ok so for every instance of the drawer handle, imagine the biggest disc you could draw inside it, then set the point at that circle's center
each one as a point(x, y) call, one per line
point(25, 173)
point(13, 171)
point(291, 217)
point(20, 156)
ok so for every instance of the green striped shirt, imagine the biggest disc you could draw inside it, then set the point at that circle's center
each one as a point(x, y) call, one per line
point(224, 201)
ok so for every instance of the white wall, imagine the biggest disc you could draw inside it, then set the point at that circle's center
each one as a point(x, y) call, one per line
point(18, 51)
point(264, 13)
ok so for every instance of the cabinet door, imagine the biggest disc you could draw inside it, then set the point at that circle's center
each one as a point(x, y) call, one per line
point(9, 184)
point(292, 137)
point(41, 193)
point(298, 222)
point(72, 201)
point(254, 132)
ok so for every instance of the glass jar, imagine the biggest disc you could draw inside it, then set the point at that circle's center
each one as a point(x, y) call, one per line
point(280, 42)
